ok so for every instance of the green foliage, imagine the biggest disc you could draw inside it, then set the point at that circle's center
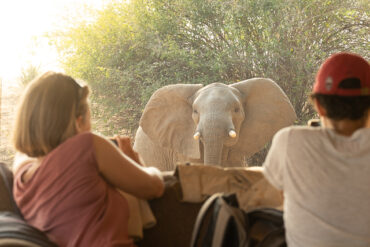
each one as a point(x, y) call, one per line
point(132, 48)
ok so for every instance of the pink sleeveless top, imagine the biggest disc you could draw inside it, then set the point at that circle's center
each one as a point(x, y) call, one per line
point(69, 200)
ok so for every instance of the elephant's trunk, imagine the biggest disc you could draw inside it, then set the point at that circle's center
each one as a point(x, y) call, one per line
point(214, 132)
point(213, 152)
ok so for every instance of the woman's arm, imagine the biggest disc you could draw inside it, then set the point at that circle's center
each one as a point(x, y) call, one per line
point(124, 173)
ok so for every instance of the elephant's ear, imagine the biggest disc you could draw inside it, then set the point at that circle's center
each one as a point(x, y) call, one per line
point(267, 109)
point(167, 119)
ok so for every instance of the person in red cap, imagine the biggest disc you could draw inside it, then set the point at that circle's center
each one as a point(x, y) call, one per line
point(324, 172)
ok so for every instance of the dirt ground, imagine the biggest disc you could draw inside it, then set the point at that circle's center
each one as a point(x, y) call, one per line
point(9, 96)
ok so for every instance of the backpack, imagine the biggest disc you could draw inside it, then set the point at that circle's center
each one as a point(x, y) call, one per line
point(265, 227)
point(14, 231)
point(221, 223)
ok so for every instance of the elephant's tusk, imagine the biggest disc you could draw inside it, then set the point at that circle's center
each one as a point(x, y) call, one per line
point(232, 133)
point(196, 135)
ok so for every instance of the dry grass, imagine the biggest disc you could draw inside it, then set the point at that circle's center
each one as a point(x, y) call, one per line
point(9, 96)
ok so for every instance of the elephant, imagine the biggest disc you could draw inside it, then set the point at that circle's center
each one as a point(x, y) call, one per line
point(217, 124)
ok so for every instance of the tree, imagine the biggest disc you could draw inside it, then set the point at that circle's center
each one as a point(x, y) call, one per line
point(133, 48)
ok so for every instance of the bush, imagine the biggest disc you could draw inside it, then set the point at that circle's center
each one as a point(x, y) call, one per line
point(133, 48)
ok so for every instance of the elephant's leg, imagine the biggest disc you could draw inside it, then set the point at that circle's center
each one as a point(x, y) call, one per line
point(152, 154)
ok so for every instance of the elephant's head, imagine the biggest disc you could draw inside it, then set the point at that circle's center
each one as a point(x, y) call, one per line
point(210, 122)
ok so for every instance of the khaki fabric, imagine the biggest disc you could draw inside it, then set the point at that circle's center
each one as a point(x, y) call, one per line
point(248, 183)
point(141, 216)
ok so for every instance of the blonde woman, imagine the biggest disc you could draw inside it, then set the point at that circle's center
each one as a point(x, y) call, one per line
point(69, 189)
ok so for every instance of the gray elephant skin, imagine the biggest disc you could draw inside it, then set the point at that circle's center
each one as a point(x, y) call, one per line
point(217, 124)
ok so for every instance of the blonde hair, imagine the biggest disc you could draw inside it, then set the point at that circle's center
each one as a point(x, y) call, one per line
point(47, 113)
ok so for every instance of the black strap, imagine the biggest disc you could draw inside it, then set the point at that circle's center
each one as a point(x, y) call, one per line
point(222, 213)
point(275, 238)
point(269, 214)
point(228, 214)
point(267, 225)
point(199, 220)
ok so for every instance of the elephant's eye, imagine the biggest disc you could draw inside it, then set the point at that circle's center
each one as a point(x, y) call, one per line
point(195, 111)
point(236, 109)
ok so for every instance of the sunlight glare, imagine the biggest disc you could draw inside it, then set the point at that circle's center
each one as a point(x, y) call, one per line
point(23, 24)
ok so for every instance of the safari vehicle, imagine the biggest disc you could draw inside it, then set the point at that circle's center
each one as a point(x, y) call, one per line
point(184, 60)
point(175, 218)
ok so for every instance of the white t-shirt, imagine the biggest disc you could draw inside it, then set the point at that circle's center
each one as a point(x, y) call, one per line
point(326, 182)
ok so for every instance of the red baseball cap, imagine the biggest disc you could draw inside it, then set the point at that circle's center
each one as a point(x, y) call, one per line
point(343, 74)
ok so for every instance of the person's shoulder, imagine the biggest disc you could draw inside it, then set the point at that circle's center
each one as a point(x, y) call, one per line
point(362, 133)
point(299, 131)
point(77, 142)
point(81, 137)
point(304, 130)
point(78, 148)
point(285, 132)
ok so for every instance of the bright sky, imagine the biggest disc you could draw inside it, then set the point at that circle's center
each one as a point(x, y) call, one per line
point(22, 27)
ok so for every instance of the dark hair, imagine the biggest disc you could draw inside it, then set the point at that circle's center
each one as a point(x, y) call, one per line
point(343, 107)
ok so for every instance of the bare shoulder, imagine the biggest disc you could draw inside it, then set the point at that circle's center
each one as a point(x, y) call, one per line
point(101, 141)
